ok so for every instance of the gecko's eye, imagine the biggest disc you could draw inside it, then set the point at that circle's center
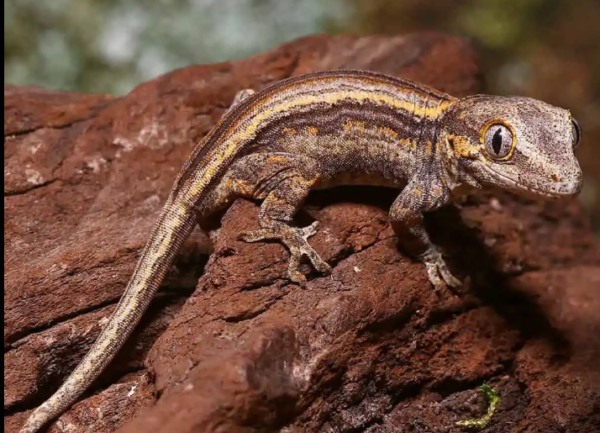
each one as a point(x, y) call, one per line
point(576, 132)
point(499, 141)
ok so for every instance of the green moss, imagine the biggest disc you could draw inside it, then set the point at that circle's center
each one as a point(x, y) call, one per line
point(493, 398)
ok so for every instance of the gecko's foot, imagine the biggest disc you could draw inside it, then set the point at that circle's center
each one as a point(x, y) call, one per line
point(437, 270)
point(240, 96)
point(296, 240)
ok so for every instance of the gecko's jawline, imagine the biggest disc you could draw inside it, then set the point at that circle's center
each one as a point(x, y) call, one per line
point(520, 188)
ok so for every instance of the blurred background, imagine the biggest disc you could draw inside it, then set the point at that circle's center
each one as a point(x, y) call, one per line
point(546, 49)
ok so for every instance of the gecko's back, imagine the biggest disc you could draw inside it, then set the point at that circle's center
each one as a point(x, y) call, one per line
point(330, 116)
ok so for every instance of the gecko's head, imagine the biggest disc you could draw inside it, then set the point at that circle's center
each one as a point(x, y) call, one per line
point(520, 144)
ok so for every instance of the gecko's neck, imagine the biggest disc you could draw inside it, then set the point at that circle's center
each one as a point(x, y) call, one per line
point(454, 167)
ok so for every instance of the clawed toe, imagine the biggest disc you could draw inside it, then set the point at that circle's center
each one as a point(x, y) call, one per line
point(318, 263)
point(254, 236)
point(310, 230)
point(438, 272)
point(450, 279)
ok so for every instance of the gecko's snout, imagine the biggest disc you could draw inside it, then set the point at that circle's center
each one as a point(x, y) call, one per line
point(568, 188)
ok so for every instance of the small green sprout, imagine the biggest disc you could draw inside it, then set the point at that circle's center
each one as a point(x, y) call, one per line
point(493, 398)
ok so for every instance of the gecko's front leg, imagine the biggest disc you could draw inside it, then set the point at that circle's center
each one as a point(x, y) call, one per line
point(406, 216)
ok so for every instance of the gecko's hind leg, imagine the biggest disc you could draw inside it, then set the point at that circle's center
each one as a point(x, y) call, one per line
point(296, 240)
point(283, 181)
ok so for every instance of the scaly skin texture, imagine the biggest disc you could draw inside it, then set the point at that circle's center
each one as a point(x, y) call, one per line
point(335, 128)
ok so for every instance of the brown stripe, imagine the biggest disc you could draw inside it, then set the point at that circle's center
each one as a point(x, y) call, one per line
point(329, 120)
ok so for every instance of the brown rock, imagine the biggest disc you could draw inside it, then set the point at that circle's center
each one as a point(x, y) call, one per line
point(105, 412)
point(369, 348)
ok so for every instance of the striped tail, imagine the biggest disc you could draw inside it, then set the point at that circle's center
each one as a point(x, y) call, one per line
point(168, 235)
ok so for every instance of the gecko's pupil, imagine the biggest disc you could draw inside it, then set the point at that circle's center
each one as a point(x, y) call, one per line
point(497, 141)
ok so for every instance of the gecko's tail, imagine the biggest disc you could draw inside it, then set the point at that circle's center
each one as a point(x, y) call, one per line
point(168, 235)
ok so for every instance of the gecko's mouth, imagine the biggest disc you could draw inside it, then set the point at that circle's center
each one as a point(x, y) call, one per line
point(559, 189)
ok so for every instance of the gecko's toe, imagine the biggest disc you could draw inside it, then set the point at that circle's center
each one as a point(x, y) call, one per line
point(310, 230)
point(318, 263)
point(294, 273)
point(240, 96)
point(251, 236)
point(433, 276)
point(450, 279)
point(438, 272)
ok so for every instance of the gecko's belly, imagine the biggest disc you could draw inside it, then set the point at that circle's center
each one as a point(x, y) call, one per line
point(357, 178)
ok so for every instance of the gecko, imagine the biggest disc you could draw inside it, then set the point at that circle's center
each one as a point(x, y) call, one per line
point(341, 127)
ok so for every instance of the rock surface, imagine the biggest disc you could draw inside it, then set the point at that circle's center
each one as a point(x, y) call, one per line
point(370, 348)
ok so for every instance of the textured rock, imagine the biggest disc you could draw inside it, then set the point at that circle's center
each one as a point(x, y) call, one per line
point(370, 348)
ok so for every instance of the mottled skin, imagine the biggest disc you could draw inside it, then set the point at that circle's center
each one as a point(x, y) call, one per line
point(342, 127)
